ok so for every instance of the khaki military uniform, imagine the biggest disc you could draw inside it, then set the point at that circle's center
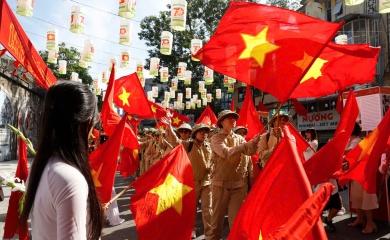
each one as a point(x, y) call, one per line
point(143, 145)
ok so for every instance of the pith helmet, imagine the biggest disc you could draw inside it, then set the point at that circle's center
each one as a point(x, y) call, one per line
point(224, 114)
point(199, 127)
point(185, 126)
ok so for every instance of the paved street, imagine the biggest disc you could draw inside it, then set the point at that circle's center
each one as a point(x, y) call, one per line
point(128, 231)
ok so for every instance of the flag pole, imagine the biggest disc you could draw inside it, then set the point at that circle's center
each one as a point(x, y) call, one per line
point(117, 196)
point(272, 118)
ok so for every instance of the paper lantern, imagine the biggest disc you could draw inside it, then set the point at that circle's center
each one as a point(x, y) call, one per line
point(140, 66)
point(188, 93)
point(209, 97)
point(98, 91)
point(384, 6)
point(231, 88)
point(231, 80)
point(127, 8)
point(153, 68)
point(166, 43)
point(125, 58)
point(174, 84)
point(25, 7)
point(204, 101)
point(196, 44)
point(172, 93)
point(225, 81)
point(199, 103)
point(111, 61)
point(218, 94)
point(167, 95)
point(203, 94)
point(208, 76)
point(52, 56)
point(164, 74)
point(188, 105)
point(74, 76)
point(125, 32)
point(201, 86)
point(105, 76)
point(96, 81)
point(181, 71)
point(52, 39)
point(243, 84)
point(164, 104)
point(178, 14)
point(80, 81)
point(89, 51)
point(77, 20)
point(354, 2)
point(188, 76)
point(150, 95)
point(180, 97)
point(193, 103)
point(342, 39)
point(141, 79)
point(182, 106)
point(195, 97)
point(155, 91)
point(82, 63)
point(61, 67)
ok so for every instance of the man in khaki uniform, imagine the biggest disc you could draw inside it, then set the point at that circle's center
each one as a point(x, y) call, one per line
point(199, 154)
point(185, 131)
point(228, 183)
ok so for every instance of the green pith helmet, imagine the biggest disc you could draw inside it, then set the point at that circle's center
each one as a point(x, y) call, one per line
point(225, 113)
point(199, 127)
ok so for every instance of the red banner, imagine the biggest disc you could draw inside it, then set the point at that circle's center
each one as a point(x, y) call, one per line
point(15, 40)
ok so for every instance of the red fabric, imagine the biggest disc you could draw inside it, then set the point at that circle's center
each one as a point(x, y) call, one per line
point(256, 169)
point(238, 110)
point(305, 217)
point(339, 102)
point(16, 64)
point(248, 116)
point(104, 160)
point(15, 40)
point(159, 112)
point(2, 52)
point(322, 165)
point(163, 225)
point(11, 225)
point(300, 141)
point(331, 75)
point(129, 162)
point(95, 133)
point(283, 180)
point(299, 108)
point(262, 107)
point(364, 159)
point(277, 64)
point(231, 107)
point(136, 101)
point(207, 117)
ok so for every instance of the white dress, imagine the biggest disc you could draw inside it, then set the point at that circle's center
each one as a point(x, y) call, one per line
point(112, 212)
point(60, 209)
point(309, 152)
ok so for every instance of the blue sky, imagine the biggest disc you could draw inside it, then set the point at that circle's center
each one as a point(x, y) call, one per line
point(101, 22)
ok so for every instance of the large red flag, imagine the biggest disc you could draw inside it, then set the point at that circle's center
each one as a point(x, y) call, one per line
point(207, 117)
point(322, 165)
point(364, 159)
point(129, 162)
point(300, 141)
point(104, 161)
point(130, 95)
point(248, 116)
point(231, 107)
point(165, 199)
point(299, 108)
point(159, 112)
point(11, 225)
point(305, 217)
point(328, 74)
point(267, 47)
point(282, 178)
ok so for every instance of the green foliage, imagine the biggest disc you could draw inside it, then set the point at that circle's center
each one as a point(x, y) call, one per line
point(289, 4)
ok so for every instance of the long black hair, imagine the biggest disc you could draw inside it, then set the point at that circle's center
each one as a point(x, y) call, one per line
point(68, 116)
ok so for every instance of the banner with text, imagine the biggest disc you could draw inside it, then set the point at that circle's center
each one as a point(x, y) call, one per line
point(324, 120)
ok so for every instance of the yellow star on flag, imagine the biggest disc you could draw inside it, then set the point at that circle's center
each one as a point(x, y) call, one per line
point(125, 97)
point(257, 47)
point(315, 69)
point(260, 237)
point(368, 143)
point(95, 176)
point(154, 109)
point(176, 120)
point(171, 194)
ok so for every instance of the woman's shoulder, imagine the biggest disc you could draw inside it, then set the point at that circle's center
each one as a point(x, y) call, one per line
point(62, 174)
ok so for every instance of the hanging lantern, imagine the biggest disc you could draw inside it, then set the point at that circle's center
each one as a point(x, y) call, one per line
point(218, 94)
point(243, 84)
point(231, 88)
point(141, 79)
point(355, 2)
point(155, 92)
point(150, 95)
point(96, 81)
point(176, 105)
point(167, 95)
point(74, 76)
point(25, 7)
point(153, 68)
point(180, 97)
point(203, 94)
point(140, 66)
point(89, 51)
point(80, 81)
point(166, 43)
point(342, 39)
point(105, 76)
point(187, 80)
point(52, 56)
point(172, 93)
point(384, 6)
point(174, 84)
point(125, 58)
point(201, 86)
point(181, 71)
point(195, 97)
point(52, 39)
point(82, 63)
point(199, 103)
point(182, 106)
point(208, 76)
point(98, 91)
point(61, 67)
point(204, 101)
point(188, 93)
point(164, 104)
point(77, 20)
point(209, 97)
point(188, 105)
point(127, 8)
point(125, 32)
point(111, 61)
point(178, 14)
point(193, 103)
point(196, 44)
point(164, 74)
point(231, 80)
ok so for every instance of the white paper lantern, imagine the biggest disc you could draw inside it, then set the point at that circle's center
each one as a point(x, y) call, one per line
point(52, 56)
point(77, 20)
point(231, 88)
point(112, 60)
point(199, 103)
point(181, 71)
point(82, 63)
point(150, 95)
point(231, 80)
point(105, 76)
point(209, 97)
point(164, 104)
point(155, 91)
point(172, 93)
point(342, 39)
point(225, 81)
point(208, 76)
point(180, 97)
point(195, 97)
point(127, 8)
point(174, 84)
point(178, 14)
point(188, 105)
point(80, 81)
point(355, 2)
point(140, 66)
point(125, 32)
point(98, 91)
point(203, 94)
point(218, 94)
point(61, 67)
point(193, 104)
point(89, 51)
point(74, 76)
point(125, 58)
point(164, 74)
point(204, 101)
point(196, 44)
point(142, 80)
point(153, 68)
point(188, 93)
point(25, 7)
point(166, 43)
point(167, 95)
point(243, 84)
point(52, 39)
point(188, 76)
point(96, 81)
point(201, 86)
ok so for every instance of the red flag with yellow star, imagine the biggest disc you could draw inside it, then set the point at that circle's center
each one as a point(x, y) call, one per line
point(300, 141)
point(104, 161)
point(267, 47)
point(159, 112)
point(328, 73)
point(248, 116)
point(207, 117)
point(165, 199)
point(283, 179)
point(130, 95)
point(129, 162)
point(364, 159)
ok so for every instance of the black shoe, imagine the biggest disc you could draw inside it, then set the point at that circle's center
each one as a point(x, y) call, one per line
point(329, 224)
